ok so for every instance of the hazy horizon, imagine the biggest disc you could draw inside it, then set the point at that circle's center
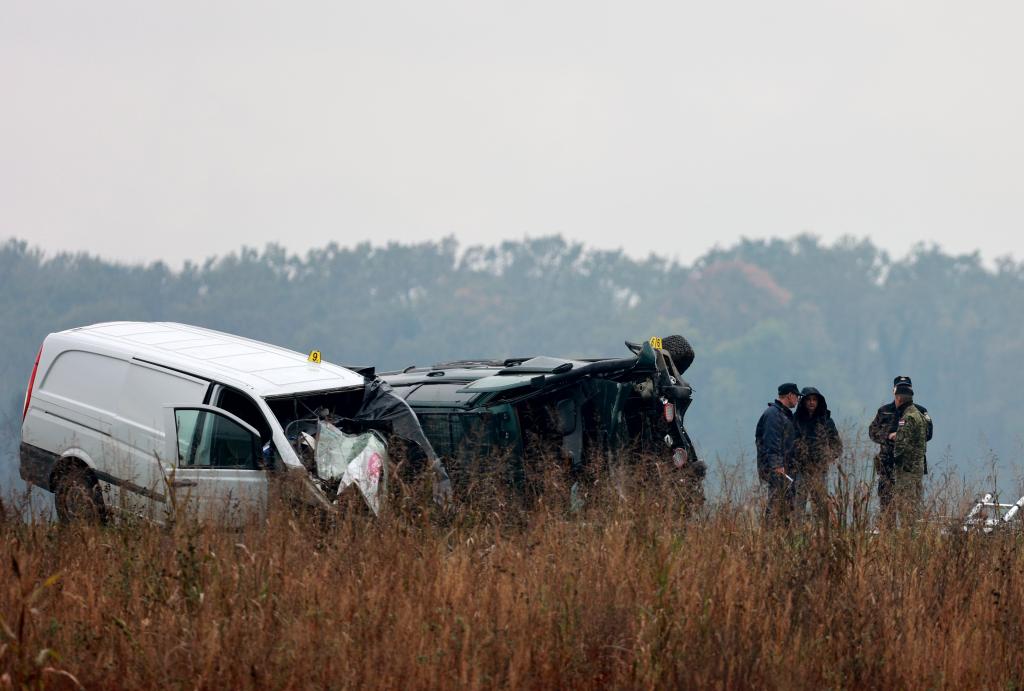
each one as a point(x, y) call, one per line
point(987, 260)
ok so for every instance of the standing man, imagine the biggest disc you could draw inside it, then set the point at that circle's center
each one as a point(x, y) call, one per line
point(774, 438)
point(909, 441)
point(882, 428)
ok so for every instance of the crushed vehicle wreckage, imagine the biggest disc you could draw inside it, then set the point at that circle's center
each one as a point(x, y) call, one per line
point(342, 451)
point(580, 411)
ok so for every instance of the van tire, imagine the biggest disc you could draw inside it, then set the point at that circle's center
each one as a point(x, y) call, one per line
point(680, 350)
point(77, 496)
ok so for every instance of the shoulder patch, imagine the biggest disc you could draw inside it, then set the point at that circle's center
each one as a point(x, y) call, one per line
point(902, 422)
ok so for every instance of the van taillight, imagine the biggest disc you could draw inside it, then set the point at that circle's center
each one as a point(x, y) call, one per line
point(31, 382)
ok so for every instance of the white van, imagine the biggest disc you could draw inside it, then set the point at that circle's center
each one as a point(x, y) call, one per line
point(144, 417)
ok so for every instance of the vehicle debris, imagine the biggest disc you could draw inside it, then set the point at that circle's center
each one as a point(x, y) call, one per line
point(988, 514)
point(579, 410)
point(346, 459)
point(341, 450)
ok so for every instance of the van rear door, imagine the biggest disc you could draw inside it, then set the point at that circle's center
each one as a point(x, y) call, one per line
point(217, 474)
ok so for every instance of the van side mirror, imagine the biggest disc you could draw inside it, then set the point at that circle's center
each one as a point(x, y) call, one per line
point(270, 457)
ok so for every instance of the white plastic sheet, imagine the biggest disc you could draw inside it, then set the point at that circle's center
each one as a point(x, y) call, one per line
point(358, 459)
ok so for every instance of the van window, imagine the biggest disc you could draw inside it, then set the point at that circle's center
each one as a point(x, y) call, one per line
point(438, 428)
point(209, 440)
point(243, 407)
point(90, 379)
point(452, 433)
point(147, 390)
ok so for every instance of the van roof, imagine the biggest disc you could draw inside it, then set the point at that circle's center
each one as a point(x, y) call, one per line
point(266, 369)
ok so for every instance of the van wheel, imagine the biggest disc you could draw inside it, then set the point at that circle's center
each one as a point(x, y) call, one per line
point(680, 350)
point(77, 497)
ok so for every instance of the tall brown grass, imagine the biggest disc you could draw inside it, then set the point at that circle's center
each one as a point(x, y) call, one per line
point(506, 592)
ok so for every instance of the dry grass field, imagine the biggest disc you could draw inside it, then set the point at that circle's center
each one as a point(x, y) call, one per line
point(624, 594)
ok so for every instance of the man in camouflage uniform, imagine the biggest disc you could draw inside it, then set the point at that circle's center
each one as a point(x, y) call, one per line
point(908, 458)
point(882, 428)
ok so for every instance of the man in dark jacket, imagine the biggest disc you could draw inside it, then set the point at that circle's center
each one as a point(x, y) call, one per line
point(882, 428)
point(774, 438)
point(817, 446)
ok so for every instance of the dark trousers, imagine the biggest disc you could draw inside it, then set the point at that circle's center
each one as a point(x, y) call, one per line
point(900, 495)
point(779, 509)
point(812, 485)
point(886, 483)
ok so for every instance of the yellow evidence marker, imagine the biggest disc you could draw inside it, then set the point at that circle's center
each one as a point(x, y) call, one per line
point(314, 356)
point(656, 342)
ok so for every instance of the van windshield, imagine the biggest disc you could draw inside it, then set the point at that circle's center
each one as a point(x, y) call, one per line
point(343, 403)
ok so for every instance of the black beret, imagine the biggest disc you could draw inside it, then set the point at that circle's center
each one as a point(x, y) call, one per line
point(904, 389)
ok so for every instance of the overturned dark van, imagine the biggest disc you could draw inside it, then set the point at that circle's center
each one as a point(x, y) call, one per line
point(581, 412)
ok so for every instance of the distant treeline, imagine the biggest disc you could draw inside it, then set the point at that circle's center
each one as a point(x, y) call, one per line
point(845, 318)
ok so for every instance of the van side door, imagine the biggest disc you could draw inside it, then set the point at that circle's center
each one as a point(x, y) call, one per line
point(141, 464)
point(218, 474)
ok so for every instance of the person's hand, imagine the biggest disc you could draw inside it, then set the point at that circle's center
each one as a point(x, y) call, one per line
point(892, 436)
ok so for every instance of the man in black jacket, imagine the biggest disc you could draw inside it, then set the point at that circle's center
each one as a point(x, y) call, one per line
point(885, 424)
point(774, 438)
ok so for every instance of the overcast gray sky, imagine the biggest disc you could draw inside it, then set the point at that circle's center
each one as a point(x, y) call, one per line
point(144, 130)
